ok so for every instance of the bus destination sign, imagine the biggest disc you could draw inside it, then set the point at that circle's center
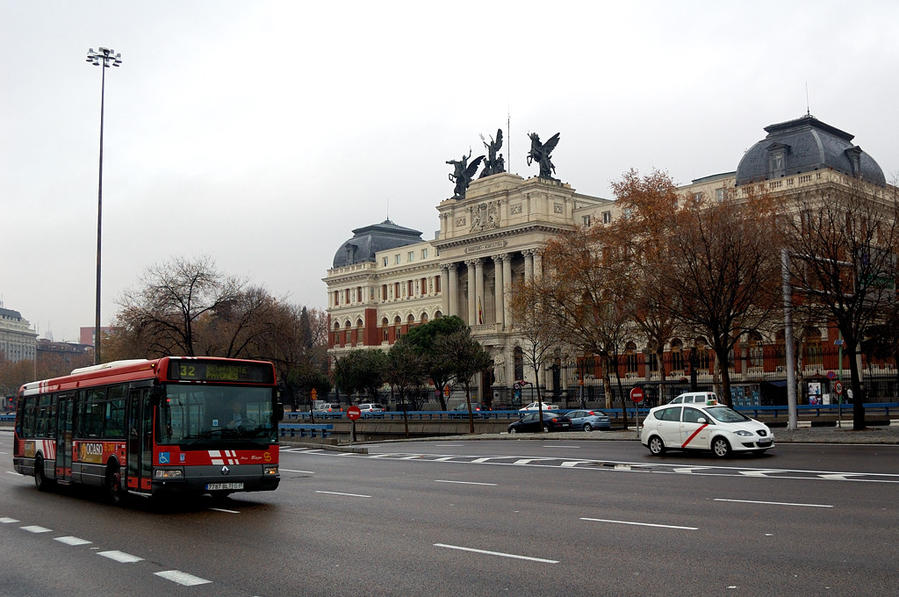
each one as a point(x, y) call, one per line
point(194, 370)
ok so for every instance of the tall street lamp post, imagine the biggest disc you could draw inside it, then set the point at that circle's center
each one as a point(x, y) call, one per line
point(104, 58)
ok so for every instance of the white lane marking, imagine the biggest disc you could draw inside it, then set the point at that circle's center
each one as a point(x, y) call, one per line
point(642, 524)
point(774, 503)
point(342, 493)
point(69, 540)
point(182, 578)
point(464, 482)
point(442, 445)
point(573, 463)
point(290, 470)
point(758, 473)
point(841, 476)
point(569, 447)
point(497, 553)
point(7, 520)
point(119, 556)
point(15, 473)
point(690, 469)
point(444, 458)
point(226, 511)
point(36, 529)
point(481, 460)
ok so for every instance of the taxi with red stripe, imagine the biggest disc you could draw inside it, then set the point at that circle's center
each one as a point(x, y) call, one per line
point(710, 427)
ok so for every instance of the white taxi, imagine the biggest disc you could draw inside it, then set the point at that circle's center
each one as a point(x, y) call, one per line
point(713, 427)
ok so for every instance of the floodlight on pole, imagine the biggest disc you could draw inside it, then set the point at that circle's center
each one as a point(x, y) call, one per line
point(104, 58)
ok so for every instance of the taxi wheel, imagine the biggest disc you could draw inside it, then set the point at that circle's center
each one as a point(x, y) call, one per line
point(720, 447)
point(656, 447)
point(588, 427)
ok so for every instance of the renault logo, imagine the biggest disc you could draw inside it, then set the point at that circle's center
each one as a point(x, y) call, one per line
point(225, 470)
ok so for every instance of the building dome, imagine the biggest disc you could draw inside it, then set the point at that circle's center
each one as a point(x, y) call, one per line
point(803, 145)
point(369, 240)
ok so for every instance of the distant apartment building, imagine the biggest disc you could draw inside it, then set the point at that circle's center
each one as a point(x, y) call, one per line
point(17, 340)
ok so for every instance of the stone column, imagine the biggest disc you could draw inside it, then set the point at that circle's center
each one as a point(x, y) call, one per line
point(528, 264)
point(472, 302)
point(507, 291)
point(498, 291)
point(479, 290)
point(449, 284)
point(538, 264)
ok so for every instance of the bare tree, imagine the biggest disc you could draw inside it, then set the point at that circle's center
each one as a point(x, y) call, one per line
point(174, 301)
point(722, 272)
point(843, 243)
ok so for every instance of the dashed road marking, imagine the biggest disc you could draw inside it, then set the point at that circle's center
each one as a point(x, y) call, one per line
point(774, 503)
point(641, 524)
point(464, 482)
point(119, 556)
point(182, 578)
point(7, 520)
point(344, 494)
point(33, 528)
point(69, 540)
point(497, 553)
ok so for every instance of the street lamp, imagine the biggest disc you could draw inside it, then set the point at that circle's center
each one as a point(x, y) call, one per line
point(103, 57)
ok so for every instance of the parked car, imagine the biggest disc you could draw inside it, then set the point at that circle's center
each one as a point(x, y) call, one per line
point(696, 398)
point(588, 420)
point(329, 407)
point(461, 411)
point(718, 428)
point(536, 406)
point(531, 423)
point(371, 407)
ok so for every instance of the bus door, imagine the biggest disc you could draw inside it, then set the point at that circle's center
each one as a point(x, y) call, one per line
point(64, 438)
point(140, 439)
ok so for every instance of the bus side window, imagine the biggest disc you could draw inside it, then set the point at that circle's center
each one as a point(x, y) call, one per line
point(115, 412)
point(30, 409)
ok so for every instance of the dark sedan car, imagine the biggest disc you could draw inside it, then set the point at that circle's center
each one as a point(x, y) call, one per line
point(531, 423)
point(588, 420)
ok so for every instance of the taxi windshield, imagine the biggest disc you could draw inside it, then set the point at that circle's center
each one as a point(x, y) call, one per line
point(726, 414)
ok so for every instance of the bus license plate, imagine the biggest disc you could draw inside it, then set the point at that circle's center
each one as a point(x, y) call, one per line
point(216, 486)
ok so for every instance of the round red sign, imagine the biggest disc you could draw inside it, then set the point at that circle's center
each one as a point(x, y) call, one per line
point(838, 387)
point(353, 413)
point(637, 395)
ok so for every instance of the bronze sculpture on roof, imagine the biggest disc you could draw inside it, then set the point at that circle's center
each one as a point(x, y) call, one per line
point(540, 153)
point(463, 173)
point(493, 163)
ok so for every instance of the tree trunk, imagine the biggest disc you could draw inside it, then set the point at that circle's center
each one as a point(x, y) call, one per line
point(858, 396)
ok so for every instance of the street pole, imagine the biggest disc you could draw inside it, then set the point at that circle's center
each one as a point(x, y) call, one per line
point(788, 339)
point(103, 57)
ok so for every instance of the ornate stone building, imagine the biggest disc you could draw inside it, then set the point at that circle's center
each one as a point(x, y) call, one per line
point(386, 278)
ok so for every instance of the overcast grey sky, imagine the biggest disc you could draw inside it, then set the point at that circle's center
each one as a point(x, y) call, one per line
point(262, 133)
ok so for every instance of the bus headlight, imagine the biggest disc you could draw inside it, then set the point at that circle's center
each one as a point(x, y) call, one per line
point(168, 474)
point(270, 470)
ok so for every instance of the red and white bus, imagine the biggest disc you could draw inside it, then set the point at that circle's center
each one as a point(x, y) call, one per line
point(151, 427)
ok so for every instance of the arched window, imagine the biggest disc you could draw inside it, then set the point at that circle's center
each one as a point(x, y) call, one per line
point(630, 352)
point(398, 325)
point(702, 354)
point(438, 314)
point(756, 351)
point(358, 331)
point(385, 327)
point(424, 318)
point(518, 356)
point(814, 356)
point(677, 355)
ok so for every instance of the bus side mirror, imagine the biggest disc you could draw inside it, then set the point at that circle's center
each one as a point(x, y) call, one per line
point(156, 395)
point(279, 411)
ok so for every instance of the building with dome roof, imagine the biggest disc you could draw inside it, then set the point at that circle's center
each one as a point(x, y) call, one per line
point(386, 278)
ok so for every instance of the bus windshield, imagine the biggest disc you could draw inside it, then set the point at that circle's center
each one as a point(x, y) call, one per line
point(198, 414)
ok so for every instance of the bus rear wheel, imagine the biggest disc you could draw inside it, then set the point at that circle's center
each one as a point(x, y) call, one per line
point(40, 480)
point(114, 491)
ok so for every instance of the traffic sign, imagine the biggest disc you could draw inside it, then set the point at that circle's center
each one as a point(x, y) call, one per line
point(831, 375)
point(353, 413)
point(838, 387)
point(446, 391)
point(637, 395)
point(313, 393)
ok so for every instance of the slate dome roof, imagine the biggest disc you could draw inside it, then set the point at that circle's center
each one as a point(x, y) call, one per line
point(369, 240)
point(803, 145)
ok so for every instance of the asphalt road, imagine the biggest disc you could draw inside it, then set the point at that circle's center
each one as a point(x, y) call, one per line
point(481, 518)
